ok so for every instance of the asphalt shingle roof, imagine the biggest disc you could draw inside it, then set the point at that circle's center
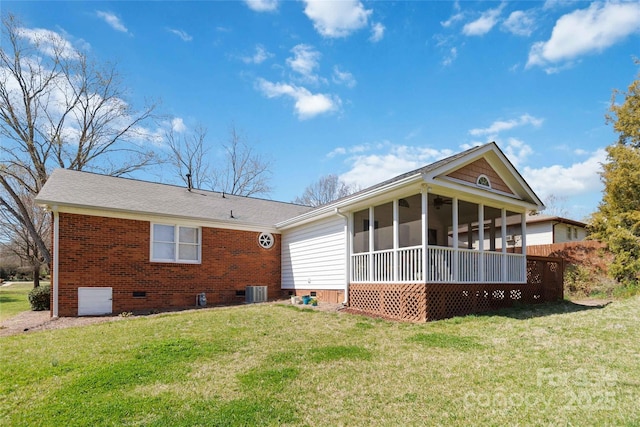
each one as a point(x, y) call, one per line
point(88, 190)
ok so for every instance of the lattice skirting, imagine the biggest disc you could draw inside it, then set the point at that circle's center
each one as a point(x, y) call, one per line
point(419, 302)
point(401, 301)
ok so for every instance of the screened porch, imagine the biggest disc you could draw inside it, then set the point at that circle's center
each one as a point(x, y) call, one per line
point(432, 238)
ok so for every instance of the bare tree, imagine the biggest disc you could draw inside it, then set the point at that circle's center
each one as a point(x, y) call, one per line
point(244, 173)
point(555, 205)
point(327, 189)
point(189, 156)
point(60, 110)
point(15, 238)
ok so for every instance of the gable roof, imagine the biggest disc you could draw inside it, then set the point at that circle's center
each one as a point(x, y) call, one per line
point(81, 191)
point(531, 219)
point(435, 176)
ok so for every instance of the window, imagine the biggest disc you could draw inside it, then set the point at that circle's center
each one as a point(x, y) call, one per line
point(173, 243)
point(266, 240)
point(568, 233)
point(483, 181)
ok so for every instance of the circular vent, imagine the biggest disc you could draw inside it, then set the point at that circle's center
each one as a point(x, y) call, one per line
point(266, 240)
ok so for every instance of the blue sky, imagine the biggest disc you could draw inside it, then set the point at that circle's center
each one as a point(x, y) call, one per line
point(369, 90)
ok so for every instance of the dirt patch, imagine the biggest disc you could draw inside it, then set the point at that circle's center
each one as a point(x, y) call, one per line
point(33, 321)
point(592, 302)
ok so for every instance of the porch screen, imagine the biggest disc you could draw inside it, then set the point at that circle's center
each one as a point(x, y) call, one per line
point(361, 231)
point(383, 230)
point(410, 221)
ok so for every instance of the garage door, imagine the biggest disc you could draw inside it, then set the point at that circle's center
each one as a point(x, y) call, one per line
point(94, 301)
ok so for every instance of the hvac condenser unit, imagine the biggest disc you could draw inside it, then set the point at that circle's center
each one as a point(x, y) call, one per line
point(255, 294)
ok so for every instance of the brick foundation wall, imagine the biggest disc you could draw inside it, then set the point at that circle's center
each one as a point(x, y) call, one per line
point(110, 252)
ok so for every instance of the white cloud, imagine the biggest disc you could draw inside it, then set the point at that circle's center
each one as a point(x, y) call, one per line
point(182, 34)
point(452, 20)
point(262, 5)
point(377, 32)
point(453, 54)
point(305, 60)
point(484, 24)
point(455, 17)
point(61, 90)
point(307, 104)
point(337, 152)
point(113, 21)
point(343, 77)
point(177, 124)
point(48, 42)
point(260, 55)
point(567, 181)
point(586, 31)
point(413, 133)
point(336, 19)
point(373, 163)
point(555, 4)
point(442, 40)
point(519, 23)
point(502, 125)
point(516, 151)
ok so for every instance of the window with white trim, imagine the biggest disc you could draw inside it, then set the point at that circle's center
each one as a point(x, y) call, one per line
point(175, 243)
point(483, 181)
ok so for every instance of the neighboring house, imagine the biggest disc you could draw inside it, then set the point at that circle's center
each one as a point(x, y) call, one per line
point(549, 229)
point(395, 246)
point(541, 230)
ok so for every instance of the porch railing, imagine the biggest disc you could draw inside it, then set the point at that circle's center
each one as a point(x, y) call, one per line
point(444, 265)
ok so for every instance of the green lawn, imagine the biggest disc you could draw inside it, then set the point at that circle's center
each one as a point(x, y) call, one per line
point(14, 299)
point(280, 365)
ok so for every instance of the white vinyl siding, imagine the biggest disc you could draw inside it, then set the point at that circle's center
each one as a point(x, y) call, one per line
point(174, 243)
point(569, 233)
point(314, 257)
point(539, 233)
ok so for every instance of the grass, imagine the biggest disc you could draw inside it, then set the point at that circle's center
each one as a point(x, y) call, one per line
point(14, 299)
point(273, 365)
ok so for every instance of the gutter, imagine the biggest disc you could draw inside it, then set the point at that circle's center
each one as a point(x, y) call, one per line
point(331, 208)
point(347, 263)
point(56, 257)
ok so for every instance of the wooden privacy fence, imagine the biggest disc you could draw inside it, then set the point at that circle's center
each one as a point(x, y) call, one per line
point(420, 302)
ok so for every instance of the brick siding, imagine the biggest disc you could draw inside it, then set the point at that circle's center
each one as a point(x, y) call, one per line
point(110, 252)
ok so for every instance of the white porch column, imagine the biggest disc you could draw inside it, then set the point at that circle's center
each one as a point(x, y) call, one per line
point(454, 216)
point(371, 244)
point(481, 241)
point(523, 242)
point(349, 251)
point(503, 239)
point(396, 240)
point(425, 232)
point(56, 261)
point(523, 236)
point(492, 235)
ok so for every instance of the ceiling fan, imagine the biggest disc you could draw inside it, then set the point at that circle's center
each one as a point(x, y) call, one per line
point(438, 202)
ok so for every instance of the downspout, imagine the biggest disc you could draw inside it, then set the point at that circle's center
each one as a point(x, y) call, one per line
point(347, 256)
point(56, 263)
